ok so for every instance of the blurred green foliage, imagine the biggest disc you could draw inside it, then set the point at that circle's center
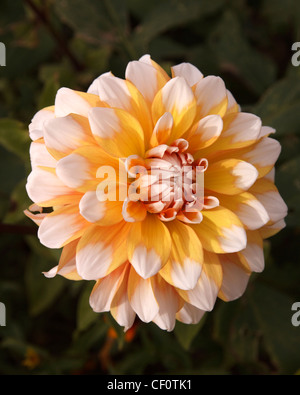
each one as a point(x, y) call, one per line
point(53, 43)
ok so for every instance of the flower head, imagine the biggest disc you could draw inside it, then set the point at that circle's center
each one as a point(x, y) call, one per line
point(162, 191)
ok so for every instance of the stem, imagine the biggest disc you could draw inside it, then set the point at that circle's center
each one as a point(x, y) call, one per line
point(43, 17)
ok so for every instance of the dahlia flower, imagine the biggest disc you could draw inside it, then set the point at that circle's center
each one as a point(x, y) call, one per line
point(109, 185)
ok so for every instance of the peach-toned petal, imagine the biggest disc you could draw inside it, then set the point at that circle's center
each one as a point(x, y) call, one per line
point(146, 252)
point(65, 134)
point(120, 308)
point(101, 250)
point(61, 227)
point(37, 123)
point(148, 79)
point(252, 257)
point(204, 294)
point(168, 301)
point(133, 211)
point(162, 130)
point(211, 96)
point(82, 169)
point(43, 186)
point(267, 194)
point(103, 213)
point(40, 156)
point(248, 208)
point(177, 98)
point(68, 101)
point(117, 132)
point(235, 280)
point(189, 314)
point(185, 263)
point(230, 176)
point(190, 73)
point(141, 297)
point(122, 94)
point(221, 231)
point(205, 132)
point(67, 263)
point(105, 289)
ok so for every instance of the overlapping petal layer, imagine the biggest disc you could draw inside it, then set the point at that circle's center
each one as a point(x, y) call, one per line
point(160, 189)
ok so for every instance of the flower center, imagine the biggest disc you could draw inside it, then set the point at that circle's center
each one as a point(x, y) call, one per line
point(169, 182)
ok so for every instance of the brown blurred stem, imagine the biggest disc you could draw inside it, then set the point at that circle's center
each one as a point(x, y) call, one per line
point(17, 229)
point(43, 17)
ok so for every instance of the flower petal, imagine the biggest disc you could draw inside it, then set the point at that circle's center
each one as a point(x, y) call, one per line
point(122, 94)
point(185, 263)
point(65, 134)
point(262, 155)
point(168, 301)
point(105, 289)
point(252, 257)
point(40, 157)
point(204, 294)
point(44, 186)
point(177, 98)
point(146, 252)
point(148, 79)
point(62, 226)
point(189, 72)
point(141, 296)
point(211, 96)
point(266, 192)
point(239, 130)
point(67, 263)
point(102, 213)
point(230, 176)
point(162, 130)
point(117, 132)
point(120, 308)
point(189, 314)
point(82, 169)
point(221, 231)
point(133, 211)
point(37, 123)
point(68, 101)
point(205, 132)
point(101, 250)
point(248, 208)
point(235, 280)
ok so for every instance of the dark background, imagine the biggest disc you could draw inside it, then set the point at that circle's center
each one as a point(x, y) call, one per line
point(53, 43)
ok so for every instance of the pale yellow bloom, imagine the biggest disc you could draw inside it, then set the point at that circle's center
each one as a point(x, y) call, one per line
point(166, 257)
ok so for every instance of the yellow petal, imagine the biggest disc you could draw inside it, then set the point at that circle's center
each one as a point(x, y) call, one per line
point(117, 132)
point(221, 231)
point(149, 245)
point(185, 263)
point(101, 250)
point(230, 176)
point(177, 98)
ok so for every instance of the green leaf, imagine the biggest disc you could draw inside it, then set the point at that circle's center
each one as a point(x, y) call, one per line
point(279, 106)
point(85, 315)
point(272, 312)
point(185, 334)
point(170, 14)
point(238, 57)
point(15, 138)
point(97, 21)
point(41, 291)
